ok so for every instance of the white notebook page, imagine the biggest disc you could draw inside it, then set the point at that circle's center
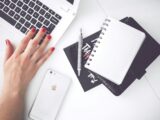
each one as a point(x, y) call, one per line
point(116, 51)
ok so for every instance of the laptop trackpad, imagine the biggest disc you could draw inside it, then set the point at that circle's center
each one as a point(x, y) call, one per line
point(7, 31)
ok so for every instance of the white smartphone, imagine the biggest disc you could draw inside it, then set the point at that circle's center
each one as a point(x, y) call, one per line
point(50, 97)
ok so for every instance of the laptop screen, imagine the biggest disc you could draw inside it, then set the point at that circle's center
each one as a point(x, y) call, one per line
point(71, 1)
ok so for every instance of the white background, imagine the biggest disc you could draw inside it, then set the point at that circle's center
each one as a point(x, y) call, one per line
point(141, 101)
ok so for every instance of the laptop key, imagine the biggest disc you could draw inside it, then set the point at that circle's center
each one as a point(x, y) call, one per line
point(6, 2)
point(27, 24)
point(1, 5)
point(17, 9)
point(45, 7)
point(30, 11)
point(14, 1)
point(20, 3)
point(52, 12)
point(31, 4)
point(46, 22)
point(23, 13)
point(12, 6)
point(6, 9)
point(32, 26)
point(39, 25)
point(33, 21)
point(51, 28)
point(26, 1)
point(28, 17)
point(39, 3)
point(58, 16)
point(17, 17)
point(22, 21)
point(36, 8)
point(18, 26)
point(42, 12)
point(23, 29)
point(11, 13)
point(41, 19)
point(54, 20)
point(7, 18)
point(25, 7)
point(36, 15)
point(47, 15)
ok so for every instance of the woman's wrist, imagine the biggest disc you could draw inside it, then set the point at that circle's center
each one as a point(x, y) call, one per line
point(14, 98)
point(13, 94)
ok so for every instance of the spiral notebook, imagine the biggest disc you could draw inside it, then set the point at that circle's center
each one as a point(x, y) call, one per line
point(148, 52)
point(115, 50)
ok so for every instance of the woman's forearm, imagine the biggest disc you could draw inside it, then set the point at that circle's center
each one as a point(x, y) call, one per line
point(12, 107)
point(20, 66)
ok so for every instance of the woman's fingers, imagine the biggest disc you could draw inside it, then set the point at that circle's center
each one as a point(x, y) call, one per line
point(25, 41)
point(9, 50)
point(40, 34)
point(33, 44)
point(41, 48)
point(45, 56)
point(45, 42)
point(31, 48)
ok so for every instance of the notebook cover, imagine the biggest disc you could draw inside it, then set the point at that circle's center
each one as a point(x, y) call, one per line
point(87, 78)
point(149, 51)
point(115, 50)
point(90, 80)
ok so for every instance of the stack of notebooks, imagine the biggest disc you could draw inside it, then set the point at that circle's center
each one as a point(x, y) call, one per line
point(115, 56)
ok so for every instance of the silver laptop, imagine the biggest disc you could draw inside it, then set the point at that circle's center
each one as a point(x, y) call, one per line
point(18, 16)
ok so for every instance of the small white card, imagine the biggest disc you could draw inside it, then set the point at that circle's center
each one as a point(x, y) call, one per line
point(50, 97)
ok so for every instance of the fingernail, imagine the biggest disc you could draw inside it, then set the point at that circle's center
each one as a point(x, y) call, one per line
point(6, 42)
point(43, 29)
point(52, 49)
point(49, 37)
point(33, 30)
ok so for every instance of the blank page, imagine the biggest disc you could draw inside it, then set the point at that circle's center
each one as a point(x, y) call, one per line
point(112, 57)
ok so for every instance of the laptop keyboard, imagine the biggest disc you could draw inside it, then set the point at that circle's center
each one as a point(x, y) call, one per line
point(25, 14)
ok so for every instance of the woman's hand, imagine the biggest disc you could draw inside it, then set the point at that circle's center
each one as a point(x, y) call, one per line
point(21, 64)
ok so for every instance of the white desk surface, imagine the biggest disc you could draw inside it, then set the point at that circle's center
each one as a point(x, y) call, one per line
point(139, 101)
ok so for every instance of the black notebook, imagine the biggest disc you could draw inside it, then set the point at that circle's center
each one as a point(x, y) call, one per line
point(149, 51)
point(87, 78)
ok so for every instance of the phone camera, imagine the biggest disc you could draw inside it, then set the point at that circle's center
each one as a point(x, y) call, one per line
point(51, 72)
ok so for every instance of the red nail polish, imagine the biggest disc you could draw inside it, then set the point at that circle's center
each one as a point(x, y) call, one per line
point(33, 30)
point(43, 29)
point(9, 42)
point(6, 42)
point(52, 49)
point(49, 37)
